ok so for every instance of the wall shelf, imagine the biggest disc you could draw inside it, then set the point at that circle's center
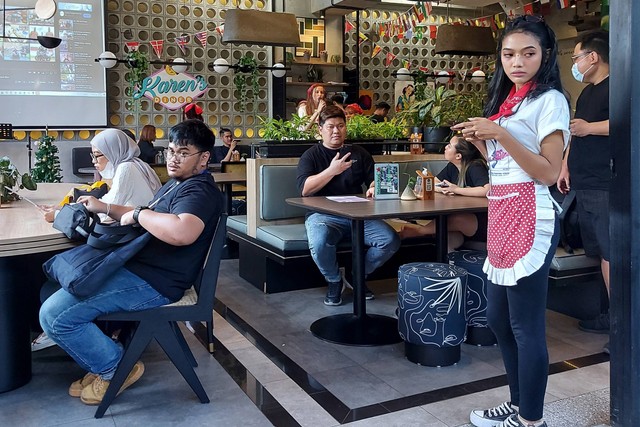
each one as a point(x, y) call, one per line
point(318, 62)
point(332, 84)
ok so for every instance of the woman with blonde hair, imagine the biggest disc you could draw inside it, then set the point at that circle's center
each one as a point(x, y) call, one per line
point(313, 105)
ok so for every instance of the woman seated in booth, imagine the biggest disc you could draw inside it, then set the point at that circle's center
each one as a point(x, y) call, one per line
point(466, 174)
point(131, 182)
point(145, 143)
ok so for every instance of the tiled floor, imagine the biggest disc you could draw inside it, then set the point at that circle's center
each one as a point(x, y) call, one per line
point(269, 369)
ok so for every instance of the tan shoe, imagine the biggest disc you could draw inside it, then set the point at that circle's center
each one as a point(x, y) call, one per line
point(75, 389)
point(94, 392)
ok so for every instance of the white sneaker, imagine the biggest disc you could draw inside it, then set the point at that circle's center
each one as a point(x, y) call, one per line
point(493, 417)
point(41, 342)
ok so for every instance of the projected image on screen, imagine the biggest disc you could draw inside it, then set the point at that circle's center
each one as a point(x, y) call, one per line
point(60, 87)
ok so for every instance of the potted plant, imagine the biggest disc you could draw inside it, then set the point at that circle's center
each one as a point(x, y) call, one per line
point(138, 64)
point(284, 138)
point(11, 181)
point(246, 77)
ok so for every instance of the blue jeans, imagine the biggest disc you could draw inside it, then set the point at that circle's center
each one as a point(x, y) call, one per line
point(68, 320)
point(324, 232)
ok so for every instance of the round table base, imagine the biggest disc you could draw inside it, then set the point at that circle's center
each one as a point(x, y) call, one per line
point(348, 329)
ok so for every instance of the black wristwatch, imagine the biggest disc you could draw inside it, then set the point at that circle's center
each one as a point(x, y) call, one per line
point(137, 210)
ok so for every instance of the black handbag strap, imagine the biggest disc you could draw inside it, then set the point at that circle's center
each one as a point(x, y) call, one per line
point(105, 236)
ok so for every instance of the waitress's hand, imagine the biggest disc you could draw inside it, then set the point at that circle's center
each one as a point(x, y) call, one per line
point(479, 129)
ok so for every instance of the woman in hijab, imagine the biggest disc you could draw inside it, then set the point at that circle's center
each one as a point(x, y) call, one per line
point(131, 181)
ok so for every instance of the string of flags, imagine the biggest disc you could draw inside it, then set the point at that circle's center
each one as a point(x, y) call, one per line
point(413, 23)
point(182, 41)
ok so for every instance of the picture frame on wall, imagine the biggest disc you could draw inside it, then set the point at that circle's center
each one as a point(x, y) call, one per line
point(312, 37)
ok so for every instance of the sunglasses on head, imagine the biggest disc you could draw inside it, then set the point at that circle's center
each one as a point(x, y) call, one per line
point(527, 18)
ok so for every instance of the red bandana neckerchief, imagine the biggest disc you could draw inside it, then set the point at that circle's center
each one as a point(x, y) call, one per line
point(513, 99)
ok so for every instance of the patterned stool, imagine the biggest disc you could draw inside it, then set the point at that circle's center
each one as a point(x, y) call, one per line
point(431, 314)
point(478, 332)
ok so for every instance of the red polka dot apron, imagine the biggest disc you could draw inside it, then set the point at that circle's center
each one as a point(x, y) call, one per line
point(521, 224)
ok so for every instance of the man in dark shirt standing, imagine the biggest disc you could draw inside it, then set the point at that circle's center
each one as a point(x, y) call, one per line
point(587, 159)
point(182, 219)
point(333, 169)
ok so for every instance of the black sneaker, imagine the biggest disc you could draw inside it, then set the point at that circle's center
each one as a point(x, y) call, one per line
point(514, 421)
point(492, 417)
point(597, 325)
point(368, 295)
point(334, 293)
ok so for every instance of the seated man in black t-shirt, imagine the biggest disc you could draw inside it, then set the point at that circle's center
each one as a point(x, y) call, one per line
point(466, 174)
point(333, 169)
point(182, 219)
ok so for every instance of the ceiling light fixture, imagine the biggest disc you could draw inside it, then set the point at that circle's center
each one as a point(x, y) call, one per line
point(250, 26)
point(109, 60)
point(45, 9)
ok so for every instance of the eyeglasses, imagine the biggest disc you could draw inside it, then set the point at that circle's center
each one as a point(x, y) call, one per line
point(182, 155)
point(580, 55)
point(95, 157)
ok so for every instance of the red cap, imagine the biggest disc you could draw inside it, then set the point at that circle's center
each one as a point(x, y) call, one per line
point(190, 106)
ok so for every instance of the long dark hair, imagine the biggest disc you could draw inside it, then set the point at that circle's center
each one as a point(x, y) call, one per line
point(547, 77)
point(470, 155)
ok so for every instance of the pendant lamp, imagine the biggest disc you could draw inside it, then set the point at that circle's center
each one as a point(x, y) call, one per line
point(250, 26)
point(464, 40)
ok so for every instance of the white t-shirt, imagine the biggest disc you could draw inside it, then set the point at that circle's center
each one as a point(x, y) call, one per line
point(128, 188)
point(532, 121)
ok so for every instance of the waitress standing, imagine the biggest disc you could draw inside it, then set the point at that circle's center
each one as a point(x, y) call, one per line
point(523, 139)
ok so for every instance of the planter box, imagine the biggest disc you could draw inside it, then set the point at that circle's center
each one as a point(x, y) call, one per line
point(290, 148)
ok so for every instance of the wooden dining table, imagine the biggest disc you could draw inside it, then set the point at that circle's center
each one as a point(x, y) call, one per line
point(360, 328)
point(26, 240)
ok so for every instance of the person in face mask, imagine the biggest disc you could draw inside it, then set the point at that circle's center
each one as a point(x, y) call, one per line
point(131, 181)
point(586, 161)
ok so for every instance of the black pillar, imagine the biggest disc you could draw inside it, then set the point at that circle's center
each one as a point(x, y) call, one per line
point(625, 213)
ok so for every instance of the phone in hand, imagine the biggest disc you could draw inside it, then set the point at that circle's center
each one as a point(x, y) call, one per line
point(442, 184)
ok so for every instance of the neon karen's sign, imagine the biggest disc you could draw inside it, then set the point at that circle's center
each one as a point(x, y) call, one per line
point(170, 89)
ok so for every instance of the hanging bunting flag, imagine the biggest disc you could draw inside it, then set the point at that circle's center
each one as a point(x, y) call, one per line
point(348, 26)
point(426, 7)
point(418, 13)
point(362, 38)
point(563, 4)
point(423, 69)
point(182, 41)
point(389, 59)
point(433, 31)
point(528, 9)
point(406, 64)
point(132, 46)
point(376, 50)
point(499, 23)
point(157, 47)
point(544, 1)
point(202, 38)
point(419, 33)
point(220, 30)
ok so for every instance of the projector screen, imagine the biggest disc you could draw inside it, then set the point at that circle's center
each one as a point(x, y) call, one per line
point(61, 87)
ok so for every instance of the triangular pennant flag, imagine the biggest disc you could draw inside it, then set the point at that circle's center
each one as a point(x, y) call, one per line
point(563, 4)
point(362, 38)
point(389, 59)
point(427, 8)
point(348, 26)
point(157, 47)
point(182, 41)
point(418, 12)
point(132, 46)
point(423, 69)
point(419, 33)
point(220, 30)
point(202, 38)
point(376, 50)
point(406, 64)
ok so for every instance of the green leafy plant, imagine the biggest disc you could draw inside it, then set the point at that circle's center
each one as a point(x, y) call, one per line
point(283, 130)
point(11, 181)
point(246, 76)
point(361, 127)
point(138, 64)
point(47, 168)
point(435, 109)
point(396, 128)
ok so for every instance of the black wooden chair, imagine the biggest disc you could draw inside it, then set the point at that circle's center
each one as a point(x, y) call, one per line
point(161, 323)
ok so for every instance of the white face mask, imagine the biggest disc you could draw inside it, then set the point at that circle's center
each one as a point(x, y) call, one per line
point(108, 172)
point(576, 73)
